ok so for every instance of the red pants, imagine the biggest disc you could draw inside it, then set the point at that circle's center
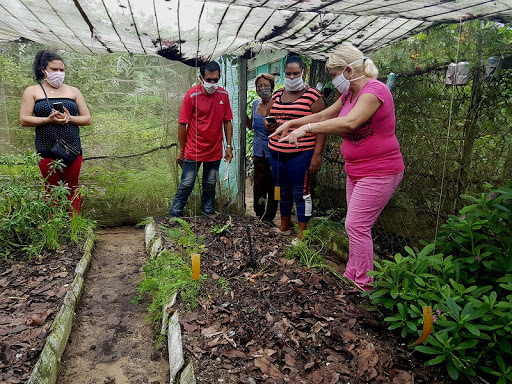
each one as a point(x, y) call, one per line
point(69, 175)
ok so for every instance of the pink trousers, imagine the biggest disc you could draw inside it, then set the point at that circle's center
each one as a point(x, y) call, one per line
point(366, 198)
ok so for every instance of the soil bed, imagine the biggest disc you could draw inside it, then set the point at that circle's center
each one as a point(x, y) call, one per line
point(279, 322)
point(31, 294)
point(112, 340)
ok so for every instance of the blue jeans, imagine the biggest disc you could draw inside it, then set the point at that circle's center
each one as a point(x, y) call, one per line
point(188, 178)
point(291, 173)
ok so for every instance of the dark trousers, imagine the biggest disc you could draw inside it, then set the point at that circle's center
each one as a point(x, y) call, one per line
point(265, 206)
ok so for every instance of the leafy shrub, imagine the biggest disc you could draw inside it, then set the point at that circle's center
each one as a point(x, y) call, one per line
point(467, 278)
point(28, 223)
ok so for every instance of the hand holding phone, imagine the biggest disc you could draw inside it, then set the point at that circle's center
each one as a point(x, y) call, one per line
point(270, 120)
point(58, 107)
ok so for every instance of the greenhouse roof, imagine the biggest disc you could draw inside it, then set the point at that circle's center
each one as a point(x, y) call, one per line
point(192, 30)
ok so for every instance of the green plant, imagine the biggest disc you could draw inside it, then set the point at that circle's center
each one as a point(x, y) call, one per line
point(164, 275)
point(307, 250)
point(466, 277)
point(30, 218)
point(224, 284)
point(217, 229)
point(184, 237)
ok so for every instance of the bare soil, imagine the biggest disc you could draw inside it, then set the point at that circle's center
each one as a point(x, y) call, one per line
point(263, 318)
point(111, 340)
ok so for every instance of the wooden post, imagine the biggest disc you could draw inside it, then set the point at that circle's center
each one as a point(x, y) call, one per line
point(471, 124)
point(242, 114)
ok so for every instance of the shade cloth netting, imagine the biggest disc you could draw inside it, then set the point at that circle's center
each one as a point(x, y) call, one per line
point(191, 30)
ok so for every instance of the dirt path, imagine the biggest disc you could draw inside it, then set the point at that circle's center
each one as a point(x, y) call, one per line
point(111, 341)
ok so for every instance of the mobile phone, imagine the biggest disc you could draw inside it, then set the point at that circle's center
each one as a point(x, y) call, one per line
point(271, 119)
point(58, 107)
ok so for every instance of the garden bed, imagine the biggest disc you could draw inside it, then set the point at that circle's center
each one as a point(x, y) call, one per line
point(279, 322)
point(31, 294)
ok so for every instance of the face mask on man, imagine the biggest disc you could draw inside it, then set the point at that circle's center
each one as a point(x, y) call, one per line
point(341, 83)
point(264, 93)
point(210, 88)
point(55, 79)
point(296, 84)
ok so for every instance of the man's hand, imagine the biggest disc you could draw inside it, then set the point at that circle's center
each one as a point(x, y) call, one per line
point(180, 158)
point(229, 154)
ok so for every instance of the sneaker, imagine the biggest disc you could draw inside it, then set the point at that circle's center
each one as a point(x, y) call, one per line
point(288, 232)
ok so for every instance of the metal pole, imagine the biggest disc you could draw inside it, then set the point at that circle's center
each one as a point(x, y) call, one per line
point(242, 114)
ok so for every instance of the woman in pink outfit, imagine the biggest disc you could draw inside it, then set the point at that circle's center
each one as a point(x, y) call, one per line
point(364, 116)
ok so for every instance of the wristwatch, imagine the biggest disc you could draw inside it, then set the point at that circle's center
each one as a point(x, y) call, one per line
point(229, 146)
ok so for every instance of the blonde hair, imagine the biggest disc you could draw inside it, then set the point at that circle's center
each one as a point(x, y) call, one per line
point(345, 54)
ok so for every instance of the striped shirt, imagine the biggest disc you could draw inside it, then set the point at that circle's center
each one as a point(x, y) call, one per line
point(290, 111)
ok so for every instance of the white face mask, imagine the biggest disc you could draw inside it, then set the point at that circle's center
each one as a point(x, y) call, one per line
point(341, 83)
point(55, 79)
point(210, 88)
point(296, 84)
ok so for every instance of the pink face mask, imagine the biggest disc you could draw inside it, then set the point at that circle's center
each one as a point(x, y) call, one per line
point(55, 79)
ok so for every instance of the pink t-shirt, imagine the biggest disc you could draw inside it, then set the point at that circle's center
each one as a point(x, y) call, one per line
point(372, 149)
point(204, 115)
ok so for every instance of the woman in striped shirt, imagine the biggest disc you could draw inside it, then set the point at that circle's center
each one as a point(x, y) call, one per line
point(292, 165)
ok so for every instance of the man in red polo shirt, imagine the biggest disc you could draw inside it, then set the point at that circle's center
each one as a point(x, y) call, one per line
point(204, 112)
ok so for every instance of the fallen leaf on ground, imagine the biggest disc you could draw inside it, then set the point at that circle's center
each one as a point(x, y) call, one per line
point(267, 367)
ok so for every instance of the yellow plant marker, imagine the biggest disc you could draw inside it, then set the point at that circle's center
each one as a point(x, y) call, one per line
point(428, 322)
point(196, 265)
point(277, 193)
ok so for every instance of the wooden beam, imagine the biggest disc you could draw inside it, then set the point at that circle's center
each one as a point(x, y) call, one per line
point(242, 115)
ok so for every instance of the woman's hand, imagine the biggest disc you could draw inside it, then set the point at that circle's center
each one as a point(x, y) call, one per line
point(57, 118)
point(316, 164)
point(268, 126)
point(67, 115)
point(281, 131)
point(294, 136)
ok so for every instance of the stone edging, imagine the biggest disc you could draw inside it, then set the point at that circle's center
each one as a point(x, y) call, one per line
point(46, 368)
point(178, 374)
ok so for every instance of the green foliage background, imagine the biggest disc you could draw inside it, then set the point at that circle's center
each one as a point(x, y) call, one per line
point(134, 102)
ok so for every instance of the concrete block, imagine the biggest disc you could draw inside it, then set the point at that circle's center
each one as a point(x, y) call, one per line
point(150, 233)
point(46, 368)
point(176, 360)
point(156, 246)
point(187, 375)
point(165, 314)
